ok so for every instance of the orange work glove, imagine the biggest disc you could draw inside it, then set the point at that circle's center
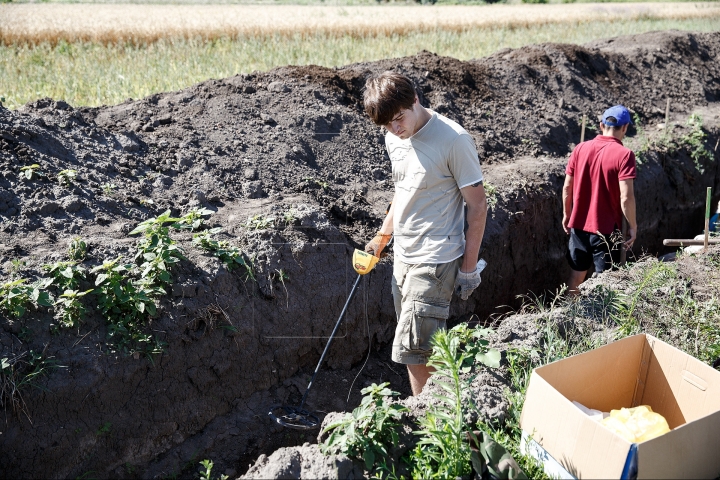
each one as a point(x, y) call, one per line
point(378, 244)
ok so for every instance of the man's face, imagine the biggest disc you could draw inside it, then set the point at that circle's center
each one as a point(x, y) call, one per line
point(404, 123)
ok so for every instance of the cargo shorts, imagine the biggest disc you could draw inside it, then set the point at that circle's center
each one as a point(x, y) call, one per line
point(422, 294)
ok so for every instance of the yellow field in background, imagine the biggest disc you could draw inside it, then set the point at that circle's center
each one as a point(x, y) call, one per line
point(108, 23)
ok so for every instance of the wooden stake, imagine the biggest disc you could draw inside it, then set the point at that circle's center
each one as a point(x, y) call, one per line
point(582, 129)
point(687, 242)
point(708, 200)
point(667, 113)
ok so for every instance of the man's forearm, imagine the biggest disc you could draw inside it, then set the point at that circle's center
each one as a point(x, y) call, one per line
point(388, 226)
point(628, 208)
point(477, 215)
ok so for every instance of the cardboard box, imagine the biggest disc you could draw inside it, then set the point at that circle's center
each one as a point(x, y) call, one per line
point(638, 370)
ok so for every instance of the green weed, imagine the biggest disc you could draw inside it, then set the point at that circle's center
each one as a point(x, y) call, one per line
point(72, 309)
point(491, 193)
point(260, 222)
point(66, 177)
point(19, 373)
point(108, 188)
point(193, 220)
point(16, 296)
point(157, 252)
point(30, 171)
point(77, 250)
point(694, 141)
point(442, 451)
point(366, 433)
point(206, 472)
point(230, 255)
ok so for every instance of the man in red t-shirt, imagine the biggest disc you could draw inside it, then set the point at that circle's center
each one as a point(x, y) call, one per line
point(598, 191)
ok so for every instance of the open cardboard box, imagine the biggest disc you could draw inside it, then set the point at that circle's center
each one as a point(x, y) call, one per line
point(637, 370)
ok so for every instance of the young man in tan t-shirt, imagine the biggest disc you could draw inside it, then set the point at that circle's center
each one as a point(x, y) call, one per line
point(435, 170)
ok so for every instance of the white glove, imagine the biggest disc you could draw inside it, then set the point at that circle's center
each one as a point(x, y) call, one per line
point(467, 282)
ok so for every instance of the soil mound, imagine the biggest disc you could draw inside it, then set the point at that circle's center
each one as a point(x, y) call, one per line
point(297, 177)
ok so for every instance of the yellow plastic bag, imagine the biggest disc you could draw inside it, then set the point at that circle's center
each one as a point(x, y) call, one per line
point(636, 424)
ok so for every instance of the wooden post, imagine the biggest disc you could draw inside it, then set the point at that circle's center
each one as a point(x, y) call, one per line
point(708, 200)
point(667, 113)
point(582, 129)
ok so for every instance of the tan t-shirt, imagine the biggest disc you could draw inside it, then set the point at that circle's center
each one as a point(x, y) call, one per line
point(429, 169)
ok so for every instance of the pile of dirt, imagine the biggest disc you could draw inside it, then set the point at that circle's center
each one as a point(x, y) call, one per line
point(297, 177)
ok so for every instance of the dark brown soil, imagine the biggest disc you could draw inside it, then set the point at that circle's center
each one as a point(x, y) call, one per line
point(294, 140)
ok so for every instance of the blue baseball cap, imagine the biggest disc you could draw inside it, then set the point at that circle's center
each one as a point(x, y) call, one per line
point(621, 114)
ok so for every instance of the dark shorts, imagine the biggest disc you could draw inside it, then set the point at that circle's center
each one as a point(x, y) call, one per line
point(586, 249)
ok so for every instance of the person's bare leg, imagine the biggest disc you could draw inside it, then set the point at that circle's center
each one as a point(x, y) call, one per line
point(576, 278)
point(419, 375)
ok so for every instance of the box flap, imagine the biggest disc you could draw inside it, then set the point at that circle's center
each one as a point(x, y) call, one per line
point(679, 387)
point(604, 378)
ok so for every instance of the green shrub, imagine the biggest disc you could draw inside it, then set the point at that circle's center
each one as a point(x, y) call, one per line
point(367, 432)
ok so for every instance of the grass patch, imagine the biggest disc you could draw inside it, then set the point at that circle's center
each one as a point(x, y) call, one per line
point(93, 74)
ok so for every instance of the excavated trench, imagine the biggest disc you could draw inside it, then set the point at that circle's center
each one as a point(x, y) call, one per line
point(297, 177)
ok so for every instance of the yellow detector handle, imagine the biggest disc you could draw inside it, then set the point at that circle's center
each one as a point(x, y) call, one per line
point(363, 262)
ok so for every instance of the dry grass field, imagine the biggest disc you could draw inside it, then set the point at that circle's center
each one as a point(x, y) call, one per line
point(107, 23)
point(94, 54)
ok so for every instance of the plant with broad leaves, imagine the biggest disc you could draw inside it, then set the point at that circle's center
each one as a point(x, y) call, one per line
point(193, 220)
point(230, 255)
point(72, 308)
point(66, 177)
point(475, 347)
point(126, 304)
point(65, 275)
point(77, 250)
point(157, 252)
point(30, 171)
point(16, 296)
point(367, 432)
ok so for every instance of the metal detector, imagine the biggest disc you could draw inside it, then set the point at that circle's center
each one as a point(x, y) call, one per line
point(298, 417)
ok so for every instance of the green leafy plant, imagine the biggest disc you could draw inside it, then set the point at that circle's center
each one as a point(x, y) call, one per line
point(157, 252)
point(30, 171)
point(126, 305)
point(108, 188)
point(66, 177)
point(104, 429)
point(77, 250)
point(72, 309)
point(193, 220)
point(442, 451)
point(206, 472)
point(16, 296)
point(475, 348)
point(491, 194)
point(367, 431)
point(65, 275)
point(230, 255)
point(15, 266)
point(694, 140)
point(260, 222)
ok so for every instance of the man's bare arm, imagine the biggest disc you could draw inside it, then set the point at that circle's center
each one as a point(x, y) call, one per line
point(567, 196)
point(627, 203)
point(387, 226)
point(476, 201)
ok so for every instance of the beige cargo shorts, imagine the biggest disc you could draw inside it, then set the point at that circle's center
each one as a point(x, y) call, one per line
point(422, 295)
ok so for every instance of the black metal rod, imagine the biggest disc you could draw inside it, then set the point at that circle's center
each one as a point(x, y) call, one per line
point(332, 335)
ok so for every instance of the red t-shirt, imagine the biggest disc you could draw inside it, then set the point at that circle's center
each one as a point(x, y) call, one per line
point(596, 167)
